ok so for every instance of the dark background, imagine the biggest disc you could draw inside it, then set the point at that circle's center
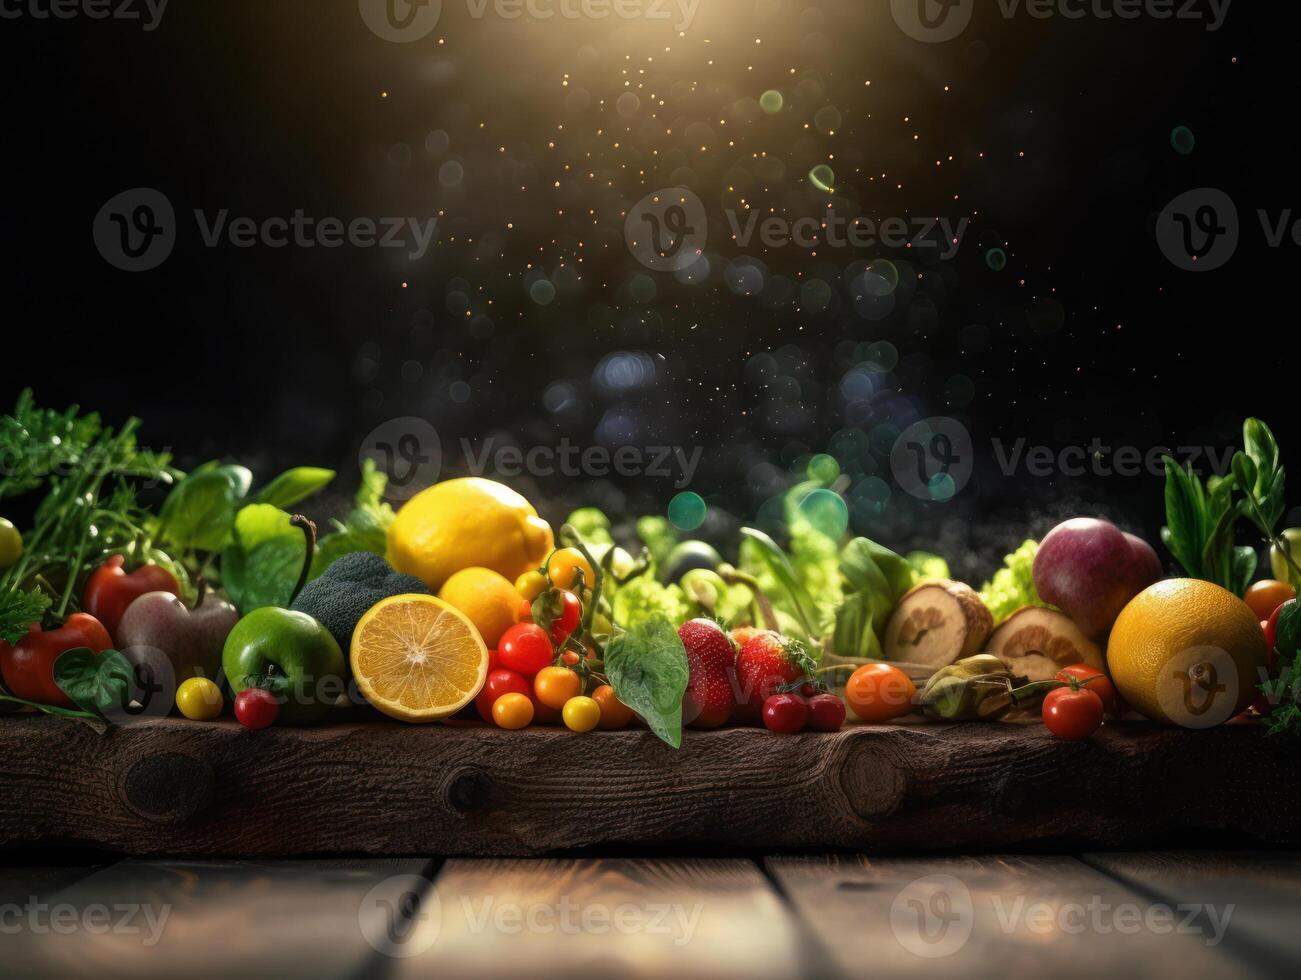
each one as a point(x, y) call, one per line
point(1054, 137)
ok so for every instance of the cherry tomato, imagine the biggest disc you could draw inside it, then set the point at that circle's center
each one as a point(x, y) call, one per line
point(785, 714)
point(581, 714)
point(1092, 679)
point(531, 584)
point(880, 692)
point(500, 681)
point(570, 613)
point(1072, 715)
point(256, 707)
point(1267, 595)
point(524, 614)
point(564, 565)
point(554, 686)
point(525, 647)
point(199, 699)
point(826, 713)
point(614, 713)
point(512, 711)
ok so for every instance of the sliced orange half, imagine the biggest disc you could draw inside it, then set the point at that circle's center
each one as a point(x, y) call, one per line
point(418, 659)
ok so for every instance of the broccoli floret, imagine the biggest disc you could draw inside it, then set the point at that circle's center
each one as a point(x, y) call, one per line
point(349, 588)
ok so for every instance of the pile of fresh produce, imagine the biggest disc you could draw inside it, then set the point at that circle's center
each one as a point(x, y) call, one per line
point(138, 590)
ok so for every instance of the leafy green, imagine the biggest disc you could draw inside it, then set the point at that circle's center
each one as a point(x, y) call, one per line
point(294, 486)
point(779, 579)
point(96, 682)
point(641, 599)
point(199, 513)
point(875, 580)
point(592, 525)
point(928, 566)
point(647, 666)
point(1284, 693)
point(366, 526)
point(1012, 586)
point(658, 536)
point(18, 610)
point(261, 565)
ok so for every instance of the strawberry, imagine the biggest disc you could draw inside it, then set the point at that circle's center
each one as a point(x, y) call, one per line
point(711, 662)
point(767, 663)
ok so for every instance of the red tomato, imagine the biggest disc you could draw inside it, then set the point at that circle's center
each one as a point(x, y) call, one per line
point(256, 707)
point(500, 681)
point(110, 589)
point(526, 648)
point(826, 713)
point(1092, 679)
point(571, 612)
point(1072, 715)
point(28, 665)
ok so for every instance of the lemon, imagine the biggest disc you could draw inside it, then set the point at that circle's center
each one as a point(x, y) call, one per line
point(1187, 652)
point(487, 599)
point(418, 659)
point(467, 523)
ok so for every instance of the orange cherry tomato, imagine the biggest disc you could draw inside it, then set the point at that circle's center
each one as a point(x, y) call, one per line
point(563, 567)
point(553, 686)
point(614, 713)
point(512, 711)
point(880, 692)
point(1267, 595)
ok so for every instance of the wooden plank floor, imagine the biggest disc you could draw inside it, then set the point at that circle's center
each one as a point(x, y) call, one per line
point(1188, 914)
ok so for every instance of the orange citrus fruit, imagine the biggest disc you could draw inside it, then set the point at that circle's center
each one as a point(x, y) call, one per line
point(1187, 652)
point(417, 658)
point(487, 598)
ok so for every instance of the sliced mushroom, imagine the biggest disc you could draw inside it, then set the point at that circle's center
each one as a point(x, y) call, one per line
point(1037, 643)
point(936, 624)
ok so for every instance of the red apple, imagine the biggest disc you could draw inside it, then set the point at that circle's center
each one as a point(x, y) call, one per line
point(1090, 569)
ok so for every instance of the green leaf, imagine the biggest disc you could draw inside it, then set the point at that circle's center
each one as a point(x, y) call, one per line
point(18, 610)
point(200, 511)
point(801, 604)
point(294, 486)
point(94, 681)
point(1262, 449)
point(647, 666)
point(262, 564)
point(1242, 569)
point(1185, 514)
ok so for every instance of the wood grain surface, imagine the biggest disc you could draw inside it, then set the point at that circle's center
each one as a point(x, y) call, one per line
point(570, 919)
point(988, 917)
point(206, 919)
point(1259, 893)
point(214, 789)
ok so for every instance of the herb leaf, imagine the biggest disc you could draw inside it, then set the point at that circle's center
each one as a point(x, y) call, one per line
point(647, 667)
point(95, 681)
point(294, 486)
point(18, 610)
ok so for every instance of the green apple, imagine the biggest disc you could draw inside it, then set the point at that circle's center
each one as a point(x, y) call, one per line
point(1282, 571)
point(290, 654)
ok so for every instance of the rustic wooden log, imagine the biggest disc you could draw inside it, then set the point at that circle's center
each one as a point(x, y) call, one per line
point(187, 788)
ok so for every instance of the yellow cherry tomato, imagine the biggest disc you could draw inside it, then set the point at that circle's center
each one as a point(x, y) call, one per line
point(531, 584)
point(554, 686)
point(199, 699)
point(581, 714)
point(512, 711)
point(564, 565)
point(614, 713)
point(11, 545)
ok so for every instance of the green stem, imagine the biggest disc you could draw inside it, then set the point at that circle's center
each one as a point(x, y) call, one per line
point(1277, 540)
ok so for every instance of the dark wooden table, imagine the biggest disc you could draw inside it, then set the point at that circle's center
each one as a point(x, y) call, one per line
point(1181, 914)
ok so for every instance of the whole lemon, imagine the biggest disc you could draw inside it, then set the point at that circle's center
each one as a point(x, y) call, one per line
point(467, 523)
point(1187, 652)
point(487, 598)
